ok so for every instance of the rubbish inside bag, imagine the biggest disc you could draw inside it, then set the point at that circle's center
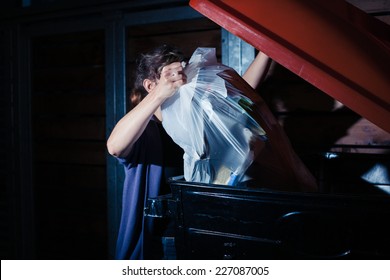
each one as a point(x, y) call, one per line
point(211, 121)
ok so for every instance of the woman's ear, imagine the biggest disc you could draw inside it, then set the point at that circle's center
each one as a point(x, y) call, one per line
point(149, 85)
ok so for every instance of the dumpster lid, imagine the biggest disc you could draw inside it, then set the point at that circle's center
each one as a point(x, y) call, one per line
point(333, 45)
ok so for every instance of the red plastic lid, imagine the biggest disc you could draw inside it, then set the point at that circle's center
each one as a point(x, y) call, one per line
point(331, 44)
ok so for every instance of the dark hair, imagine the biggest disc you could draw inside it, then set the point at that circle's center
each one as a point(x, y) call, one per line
point(149, 66)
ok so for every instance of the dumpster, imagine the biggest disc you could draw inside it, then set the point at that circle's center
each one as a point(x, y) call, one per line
point(219, 222)
point(344, 220)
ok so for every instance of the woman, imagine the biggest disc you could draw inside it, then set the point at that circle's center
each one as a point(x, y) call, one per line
point(148, 154)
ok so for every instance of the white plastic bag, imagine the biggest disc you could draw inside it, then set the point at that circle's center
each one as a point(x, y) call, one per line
point(210, 120)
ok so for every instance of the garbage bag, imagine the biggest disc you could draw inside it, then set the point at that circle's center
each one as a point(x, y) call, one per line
point(211, 121)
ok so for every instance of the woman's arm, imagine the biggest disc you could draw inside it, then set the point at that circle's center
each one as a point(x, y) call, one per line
point(257, 70)
point(128, 129)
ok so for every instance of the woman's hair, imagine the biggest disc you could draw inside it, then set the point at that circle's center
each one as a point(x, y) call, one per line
point(149, 66)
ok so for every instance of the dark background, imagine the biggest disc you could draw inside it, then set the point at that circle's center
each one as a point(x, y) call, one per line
point(65, 70)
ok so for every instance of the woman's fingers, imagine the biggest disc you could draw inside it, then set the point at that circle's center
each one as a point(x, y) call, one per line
point(171, 78)
point(174, 73)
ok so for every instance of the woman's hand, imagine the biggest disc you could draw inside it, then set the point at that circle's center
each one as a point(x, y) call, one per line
point(171, 78)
